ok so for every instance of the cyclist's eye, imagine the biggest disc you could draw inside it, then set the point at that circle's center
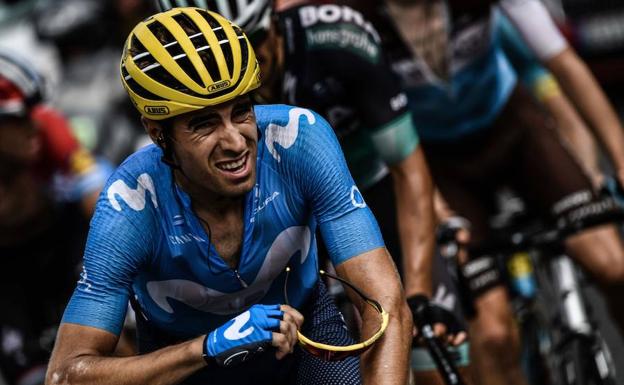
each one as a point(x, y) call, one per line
point(203, 125)
point(241, 112)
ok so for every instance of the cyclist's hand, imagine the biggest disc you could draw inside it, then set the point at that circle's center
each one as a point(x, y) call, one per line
point(249, 333)
point(286, 338)
point(453, 237)
point(613, 187)
point(445, 325)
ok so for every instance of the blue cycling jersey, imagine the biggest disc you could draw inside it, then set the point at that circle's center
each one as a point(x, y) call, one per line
point(145, 240)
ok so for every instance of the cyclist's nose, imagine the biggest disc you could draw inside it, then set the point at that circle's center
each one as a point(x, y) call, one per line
point(232, 139)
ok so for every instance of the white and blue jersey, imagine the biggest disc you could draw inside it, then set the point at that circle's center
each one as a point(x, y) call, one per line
point(145, 241)
point(452, 66)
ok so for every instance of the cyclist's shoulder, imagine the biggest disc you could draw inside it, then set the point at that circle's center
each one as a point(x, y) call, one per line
point(292, 135)
point(144, 160)
point(286, 117)
point(139, 183)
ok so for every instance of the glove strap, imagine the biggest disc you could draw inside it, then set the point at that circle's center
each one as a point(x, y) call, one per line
point(210, 360)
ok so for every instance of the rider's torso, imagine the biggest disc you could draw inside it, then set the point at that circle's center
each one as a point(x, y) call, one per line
point(455, 75)
point(186, 278)
point(322, 43)
point(149, 238)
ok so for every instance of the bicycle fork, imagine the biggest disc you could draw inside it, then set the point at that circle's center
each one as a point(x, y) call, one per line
point(573, 312)
point(575, 320)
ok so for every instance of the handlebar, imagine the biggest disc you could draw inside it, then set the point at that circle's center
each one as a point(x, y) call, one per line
point(441, 357)
point(602, 212)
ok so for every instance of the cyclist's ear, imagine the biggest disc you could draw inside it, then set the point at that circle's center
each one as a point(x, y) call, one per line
point(154, 129)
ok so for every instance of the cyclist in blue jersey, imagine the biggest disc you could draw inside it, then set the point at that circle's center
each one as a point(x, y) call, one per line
point(198, 231)
point(480, 130)
point(328, 57)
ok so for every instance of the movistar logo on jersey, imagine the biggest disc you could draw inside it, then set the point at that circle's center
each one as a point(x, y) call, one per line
point(219, 86)
point(156, 110)
point(291, 241)
point(332, 13)
point(133, 197)
point(286, 135)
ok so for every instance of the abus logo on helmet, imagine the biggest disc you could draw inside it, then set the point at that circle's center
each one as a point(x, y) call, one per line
point(157, 110)
point(219, 86)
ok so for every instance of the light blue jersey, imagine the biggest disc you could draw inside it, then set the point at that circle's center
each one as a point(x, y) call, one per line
point(452, 65)
point(462, 91)
point(145, 241)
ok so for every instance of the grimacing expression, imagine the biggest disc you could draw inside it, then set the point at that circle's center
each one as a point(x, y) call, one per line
point(216, 147)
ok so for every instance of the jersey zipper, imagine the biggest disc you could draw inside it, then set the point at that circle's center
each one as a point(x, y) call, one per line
point(240, 279)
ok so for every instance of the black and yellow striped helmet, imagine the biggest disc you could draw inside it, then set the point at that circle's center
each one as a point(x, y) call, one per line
point(186, 59)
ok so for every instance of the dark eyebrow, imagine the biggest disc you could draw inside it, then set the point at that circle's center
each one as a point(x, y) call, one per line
point(243, 103)
point(195, 120)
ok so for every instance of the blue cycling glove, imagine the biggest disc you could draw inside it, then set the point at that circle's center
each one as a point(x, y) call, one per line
point(244, 336)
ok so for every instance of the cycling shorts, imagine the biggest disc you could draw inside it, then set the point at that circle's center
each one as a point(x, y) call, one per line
point(323, 323)
point(522, 150)
point(421, 360)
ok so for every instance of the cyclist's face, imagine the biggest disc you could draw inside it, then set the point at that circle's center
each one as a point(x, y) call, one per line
point(216, 147)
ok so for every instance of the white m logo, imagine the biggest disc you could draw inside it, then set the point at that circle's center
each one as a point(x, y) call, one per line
point(286, 136)
point(135, 198)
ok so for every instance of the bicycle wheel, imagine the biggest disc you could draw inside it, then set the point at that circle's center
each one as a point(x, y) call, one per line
point(572, 363)
point(585, 361)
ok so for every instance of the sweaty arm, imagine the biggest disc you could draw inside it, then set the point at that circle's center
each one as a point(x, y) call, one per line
point(356, 248)
point(573, 75)
point(413, 189)
point(382, 105)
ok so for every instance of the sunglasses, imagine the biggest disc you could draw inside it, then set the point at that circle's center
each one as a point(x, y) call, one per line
point(337, 353)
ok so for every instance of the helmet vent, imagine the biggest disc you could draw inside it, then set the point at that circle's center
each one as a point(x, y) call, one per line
point(221, 36)
point(214, 24)
point(142, 92)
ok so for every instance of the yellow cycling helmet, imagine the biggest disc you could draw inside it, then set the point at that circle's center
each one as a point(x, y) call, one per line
point(186, 59)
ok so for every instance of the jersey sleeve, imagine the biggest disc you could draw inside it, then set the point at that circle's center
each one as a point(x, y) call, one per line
point(536, 27)
point(117, 246)
point(346, 223)
point(534, 76)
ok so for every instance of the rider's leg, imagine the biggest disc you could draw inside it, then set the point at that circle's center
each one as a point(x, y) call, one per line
point(495, 340)
point(601, 252)
point(495, 345)
point(554, 182)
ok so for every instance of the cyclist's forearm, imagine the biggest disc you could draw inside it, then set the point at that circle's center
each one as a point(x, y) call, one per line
point(574, 131)
point(166, 366)
point(416, 220)
point(580, 85)
point(387, 360)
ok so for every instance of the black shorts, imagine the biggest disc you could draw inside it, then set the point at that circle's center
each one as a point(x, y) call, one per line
point(521, 150)
point(323, 323)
